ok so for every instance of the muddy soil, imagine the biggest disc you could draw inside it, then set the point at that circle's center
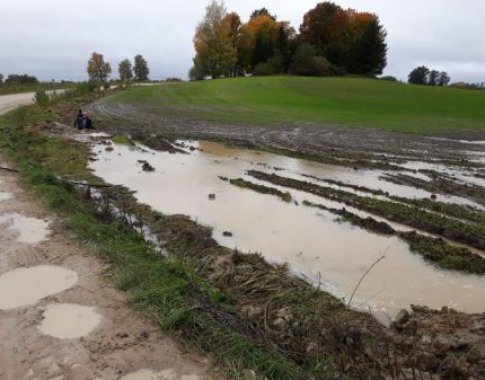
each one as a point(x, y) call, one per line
point(359, 147)
point(115, 341)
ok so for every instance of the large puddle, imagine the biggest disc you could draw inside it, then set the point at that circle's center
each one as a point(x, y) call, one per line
point(69, 321)
point(28, 230)
point(335, 255)
point(26, 286)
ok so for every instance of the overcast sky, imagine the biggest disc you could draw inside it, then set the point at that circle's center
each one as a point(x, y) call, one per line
point(54, 38)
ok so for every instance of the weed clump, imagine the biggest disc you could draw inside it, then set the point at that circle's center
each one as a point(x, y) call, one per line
point(243, 184)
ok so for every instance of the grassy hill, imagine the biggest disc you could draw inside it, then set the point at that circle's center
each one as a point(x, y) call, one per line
point(342, 101)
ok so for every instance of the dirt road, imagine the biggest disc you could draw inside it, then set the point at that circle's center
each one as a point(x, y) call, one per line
point(9, 102)
point(60, 317)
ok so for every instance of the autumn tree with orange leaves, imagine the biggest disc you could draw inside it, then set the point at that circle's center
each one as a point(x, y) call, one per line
point(354, 41)
point(216, 53)
point(98, 70)
point(264, 39)
point(331, 41)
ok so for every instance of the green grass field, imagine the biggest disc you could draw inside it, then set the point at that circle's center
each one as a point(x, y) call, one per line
point(341, 101)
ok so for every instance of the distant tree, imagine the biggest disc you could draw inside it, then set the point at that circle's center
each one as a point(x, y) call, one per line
point(419, 75)
point(1, 79)
point(125, 70)
point(327, 27)
point(307, 62)
point(444, 79)
point(355, 41)
point(197, 71)
point(284, 46)
point(258, 40)
point(369, 51)
point(232, 24)
point(433, 78)
point(317, 22)
point(15, 80)
point(262, 12)
point(141, 69)
point(216, 54)
point(98, 70)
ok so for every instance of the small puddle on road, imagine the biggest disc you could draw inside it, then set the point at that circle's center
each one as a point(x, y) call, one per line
point(26, 286)
point(327, 252)
point(29, 230)
point(5, 196)
point(69, 321)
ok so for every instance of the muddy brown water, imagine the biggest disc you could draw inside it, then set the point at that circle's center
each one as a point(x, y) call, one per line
point(69, 321)
point(28, 230)
point(332, 254)
point(26, 286)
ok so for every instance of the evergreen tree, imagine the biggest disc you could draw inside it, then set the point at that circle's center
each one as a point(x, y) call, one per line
point(369, 52)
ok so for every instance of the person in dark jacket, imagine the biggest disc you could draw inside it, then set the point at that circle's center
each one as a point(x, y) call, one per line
point(88, 124)
point(79, 120)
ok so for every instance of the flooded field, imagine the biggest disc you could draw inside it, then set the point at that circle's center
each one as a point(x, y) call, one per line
point(332, 254)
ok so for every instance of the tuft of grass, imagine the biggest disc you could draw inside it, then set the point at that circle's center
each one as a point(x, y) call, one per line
point(243, 184)
point(122, 139)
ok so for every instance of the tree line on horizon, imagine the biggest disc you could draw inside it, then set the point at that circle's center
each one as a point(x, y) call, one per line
point(99, 70)
point(331, 41)
point(18, 80)
point(424, 76)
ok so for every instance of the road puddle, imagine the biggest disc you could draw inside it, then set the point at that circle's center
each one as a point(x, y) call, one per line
point(168, 374)
point(28, 230)
point(69, 321)
point(5, 197)
point(332, 254)
point(27, 286)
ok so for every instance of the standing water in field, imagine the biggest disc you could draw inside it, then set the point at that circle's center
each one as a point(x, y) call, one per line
point(28, 230)
point(330, 253)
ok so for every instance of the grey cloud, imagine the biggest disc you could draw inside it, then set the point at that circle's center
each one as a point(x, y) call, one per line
point(54, 38)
